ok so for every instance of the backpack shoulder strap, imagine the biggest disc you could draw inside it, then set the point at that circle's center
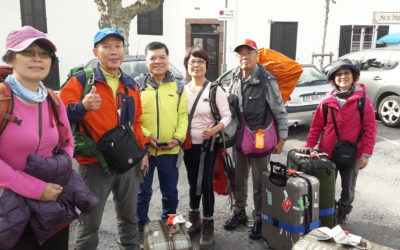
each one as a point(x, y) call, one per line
point(325, 110)
point(141, 81)
point(6, 107)
point(89, 81)
point(54, 104)
point(361, 105)
point(179, 89)
point(212, 100)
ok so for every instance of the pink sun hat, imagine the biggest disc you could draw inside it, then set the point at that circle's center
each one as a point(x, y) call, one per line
point(20, 39)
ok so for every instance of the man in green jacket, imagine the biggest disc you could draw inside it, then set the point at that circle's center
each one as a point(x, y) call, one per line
point(165, 122)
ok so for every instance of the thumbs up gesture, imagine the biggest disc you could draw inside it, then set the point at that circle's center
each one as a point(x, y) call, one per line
point(92, 101)
point(207, 132)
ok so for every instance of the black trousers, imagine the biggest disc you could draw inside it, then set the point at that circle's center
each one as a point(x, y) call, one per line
point(28, 241)
point(192, 161)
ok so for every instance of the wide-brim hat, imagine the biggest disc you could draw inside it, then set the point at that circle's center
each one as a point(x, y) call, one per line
point(342, 64)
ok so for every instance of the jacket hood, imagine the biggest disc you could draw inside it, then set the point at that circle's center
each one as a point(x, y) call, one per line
point(144, 79)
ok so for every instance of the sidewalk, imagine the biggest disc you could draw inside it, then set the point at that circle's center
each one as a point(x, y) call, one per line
point(237, 239)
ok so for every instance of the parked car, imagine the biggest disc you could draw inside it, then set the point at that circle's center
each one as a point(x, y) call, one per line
point(136, 65)
point(380, 73)
point(309, 91)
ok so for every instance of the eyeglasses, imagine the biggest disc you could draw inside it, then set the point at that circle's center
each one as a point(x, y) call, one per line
point(339, 74)
point(31, 53)
point(198, 62)
point(243, 54)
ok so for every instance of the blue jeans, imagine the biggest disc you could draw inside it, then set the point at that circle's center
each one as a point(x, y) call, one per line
point(168, 176)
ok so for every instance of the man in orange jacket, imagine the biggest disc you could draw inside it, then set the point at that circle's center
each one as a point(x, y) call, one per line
point(99, 112)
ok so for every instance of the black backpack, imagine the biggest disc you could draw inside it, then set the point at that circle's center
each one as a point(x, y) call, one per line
point(227, 136)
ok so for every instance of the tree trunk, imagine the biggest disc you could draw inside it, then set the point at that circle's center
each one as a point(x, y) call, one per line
point(113, 15)
point(327, 3)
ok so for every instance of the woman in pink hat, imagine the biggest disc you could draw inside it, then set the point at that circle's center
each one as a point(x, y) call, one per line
point(36, 150)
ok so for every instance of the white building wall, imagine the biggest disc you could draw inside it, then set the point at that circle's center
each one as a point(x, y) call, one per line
point(73, 23)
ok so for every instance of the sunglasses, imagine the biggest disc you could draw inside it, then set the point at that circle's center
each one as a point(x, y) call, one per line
point(31, 53)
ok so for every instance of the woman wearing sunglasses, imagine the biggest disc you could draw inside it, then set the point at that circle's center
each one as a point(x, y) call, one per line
point(37, 140)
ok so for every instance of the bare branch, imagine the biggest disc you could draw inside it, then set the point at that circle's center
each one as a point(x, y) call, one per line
point(140, 7)
point(101, 6)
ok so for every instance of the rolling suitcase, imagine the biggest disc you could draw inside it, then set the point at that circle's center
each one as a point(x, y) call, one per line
point(289, 206)
point(325, 171)
point(159, 236)
point(311, 242)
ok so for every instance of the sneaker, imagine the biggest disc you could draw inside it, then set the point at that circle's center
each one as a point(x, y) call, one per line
point(236, 219)
point(255, 232)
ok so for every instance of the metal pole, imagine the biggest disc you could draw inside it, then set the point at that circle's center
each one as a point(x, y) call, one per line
point(224, 51)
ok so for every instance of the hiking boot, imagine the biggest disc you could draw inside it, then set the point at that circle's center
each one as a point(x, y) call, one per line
point(141, 233)
point(207, 233)
point(141, 227)
point(236, 219)
point(341, 217)
point(255, 232)
point(194, 218)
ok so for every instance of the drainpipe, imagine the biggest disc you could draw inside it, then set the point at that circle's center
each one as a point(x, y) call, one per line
point(223, 68)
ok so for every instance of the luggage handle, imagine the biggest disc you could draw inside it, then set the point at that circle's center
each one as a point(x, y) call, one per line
point(278, 177)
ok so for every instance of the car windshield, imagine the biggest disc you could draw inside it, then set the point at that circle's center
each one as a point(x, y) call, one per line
point(311, 75)
point(137, 67)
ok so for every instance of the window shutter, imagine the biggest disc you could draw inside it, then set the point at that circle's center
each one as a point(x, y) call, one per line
point(151, 23)
point(345, 39)
point(382, 31)
point(33, 13)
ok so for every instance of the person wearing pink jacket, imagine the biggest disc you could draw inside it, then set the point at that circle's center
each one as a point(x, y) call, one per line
point(344, 101)
point(30, 54)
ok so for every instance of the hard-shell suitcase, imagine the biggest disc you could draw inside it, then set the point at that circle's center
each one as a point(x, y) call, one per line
point(311, 242)
point(289, 206)
point(159, 236)
point(325, 171)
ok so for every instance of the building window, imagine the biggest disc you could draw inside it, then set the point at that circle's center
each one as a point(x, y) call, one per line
point(362, 38)
point(205, 28)
point(33, 13)
point(151, 23)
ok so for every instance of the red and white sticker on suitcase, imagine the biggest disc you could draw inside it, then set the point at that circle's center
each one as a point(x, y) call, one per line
point(287, 202)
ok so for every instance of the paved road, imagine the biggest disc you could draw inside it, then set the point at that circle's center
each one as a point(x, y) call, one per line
point(376, 213)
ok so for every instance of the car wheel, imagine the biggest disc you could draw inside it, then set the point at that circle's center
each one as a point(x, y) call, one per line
point(389, 111)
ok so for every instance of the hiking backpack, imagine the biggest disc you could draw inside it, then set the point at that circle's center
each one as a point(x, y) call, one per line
point(83, 141)
point(227, 135)
point(141, 81)
point(7, 102)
